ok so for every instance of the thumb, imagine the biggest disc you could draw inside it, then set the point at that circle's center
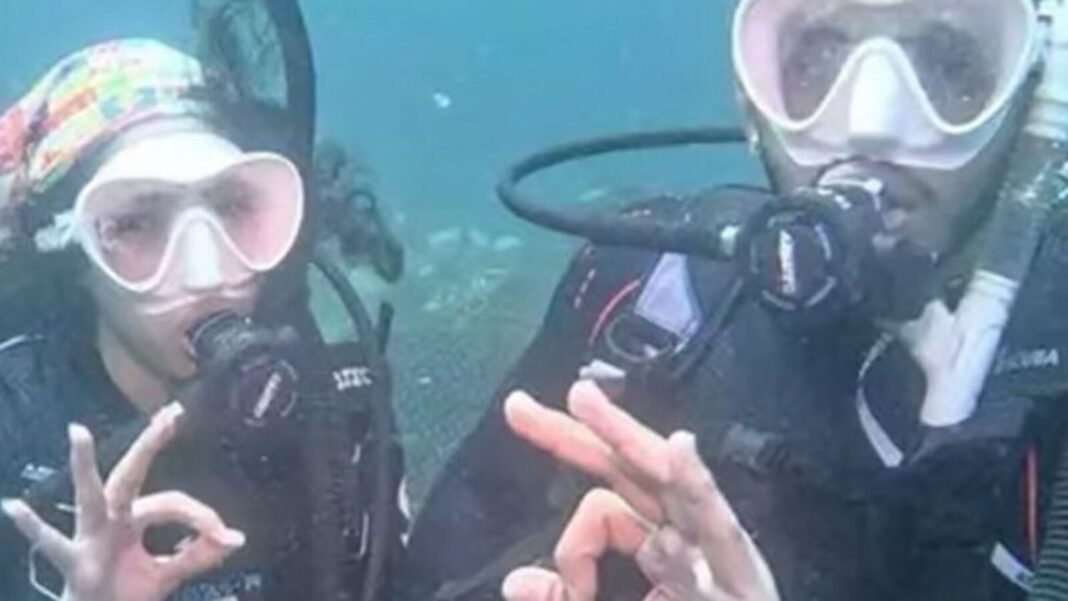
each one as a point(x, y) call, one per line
point(533, 584)
point(205, 552)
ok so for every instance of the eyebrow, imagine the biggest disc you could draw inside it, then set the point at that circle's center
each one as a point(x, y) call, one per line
point(228, 187)
point(146, 196)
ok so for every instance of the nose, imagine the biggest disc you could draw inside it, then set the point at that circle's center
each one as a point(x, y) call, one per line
point(201, 258)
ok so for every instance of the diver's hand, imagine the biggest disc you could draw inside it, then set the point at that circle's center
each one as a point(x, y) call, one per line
point(665, 509)
point(106, 560)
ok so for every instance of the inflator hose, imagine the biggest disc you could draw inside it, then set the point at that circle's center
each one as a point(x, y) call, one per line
point(606, 228)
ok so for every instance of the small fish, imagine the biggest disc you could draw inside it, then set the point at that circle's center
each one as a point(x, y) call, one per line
point(444, 237)
point(595, 194)
point(617, 194)
point(506, 243)
point(477, 238)
point(442, 100)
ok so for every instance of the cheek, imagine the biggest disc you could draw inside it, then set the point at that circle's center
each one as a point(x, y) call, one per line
point(145, 334)
point(154, 339)
point(160, 341)
point(940, 225)
point(931, 228)
point(783, 173)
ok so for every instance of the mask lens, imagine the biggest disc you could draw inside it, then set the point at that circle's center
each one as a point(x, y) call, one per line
point(810, 66)
point(954, 70)
point(260, 206)
point(130, 225)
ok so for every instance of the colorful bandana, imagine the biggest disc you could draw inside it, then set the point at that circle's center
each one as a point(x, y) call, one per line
point(82, 102)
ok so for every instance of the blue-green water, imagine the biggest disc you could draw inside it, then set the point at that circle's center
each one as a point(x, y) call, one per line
point(437, 96)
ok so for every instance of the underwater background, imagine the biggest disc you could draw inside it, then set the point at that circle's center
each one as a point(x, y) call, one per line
point(435, 98)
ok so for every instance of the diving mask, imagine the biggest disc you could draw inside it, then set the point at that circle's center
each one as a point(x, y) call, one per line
point(153, 200)
point(919, 83)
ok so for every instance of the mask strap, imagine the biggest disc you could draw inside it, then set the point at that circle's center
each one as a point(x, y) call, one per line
point(884, 446)
point(34, 580)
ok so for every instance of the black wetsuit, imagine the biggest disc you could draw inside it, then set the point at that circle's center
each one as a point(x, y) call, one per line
point(51, 375)
point(837, 518)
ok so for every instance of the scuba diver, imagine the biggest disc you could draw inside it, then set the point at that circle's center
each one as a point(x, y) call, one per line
point(166, 340)
point(870, 353)
point(349, 209)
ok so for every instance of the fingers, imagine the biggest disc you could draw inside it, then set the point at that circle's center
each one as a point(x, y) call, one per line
point(201, 555)
point(178, 507)
point(699, 510)
point(124, 483)
point(603, 521)
point(559, 435)
point(676, 566)
point(695, 501)
point(569, 441)
point(88, 488)
point(58, 549)
point(533, 584)
point(643, 450)
point(213, 543)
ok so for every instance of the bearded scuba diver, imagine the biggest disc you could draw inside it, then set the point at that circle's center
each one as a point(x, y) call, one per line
point(155, 210)
point(869, 352)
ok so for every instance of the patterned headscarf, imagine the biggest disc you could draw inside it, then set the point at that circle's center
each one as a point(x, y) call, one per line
point(84, 101)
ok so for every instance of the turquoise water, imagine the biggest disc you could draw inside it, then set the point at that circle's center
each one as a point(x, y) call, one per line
point(437, 96)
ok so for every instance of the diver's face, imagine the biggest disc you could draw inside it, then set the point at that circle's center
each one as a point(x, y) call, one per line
point(171, 242)
point(151, 327)
point(927, 208)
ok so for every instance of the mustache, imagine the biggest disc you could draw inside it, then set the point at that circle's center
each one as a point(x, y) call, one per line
point(173, 303)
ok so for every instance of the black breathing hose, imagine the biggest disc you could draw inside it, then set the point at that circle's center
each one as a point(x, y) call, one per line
point(299, 67)
point(302, 107)
point(381, 424)
point(606, 228)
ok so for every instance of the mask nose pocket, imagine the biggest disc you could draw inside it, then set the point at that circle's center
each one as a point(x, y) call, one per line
point(200, 255)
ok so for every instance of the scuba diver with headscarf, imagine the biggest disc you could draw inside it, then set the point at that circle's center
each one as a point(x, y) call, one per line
point(163, 348)
point(217, 448)
point(870, 355)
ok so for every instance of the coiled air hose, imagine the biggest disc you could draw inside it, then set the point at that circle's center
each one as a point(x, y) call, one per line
point(1050, 581)
point(1049, 120)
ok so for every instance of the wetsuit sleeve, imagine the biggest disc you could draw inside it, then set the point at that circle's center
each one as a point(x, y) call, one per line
point(12, 547)
point(14, 443)
point(493, 491)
